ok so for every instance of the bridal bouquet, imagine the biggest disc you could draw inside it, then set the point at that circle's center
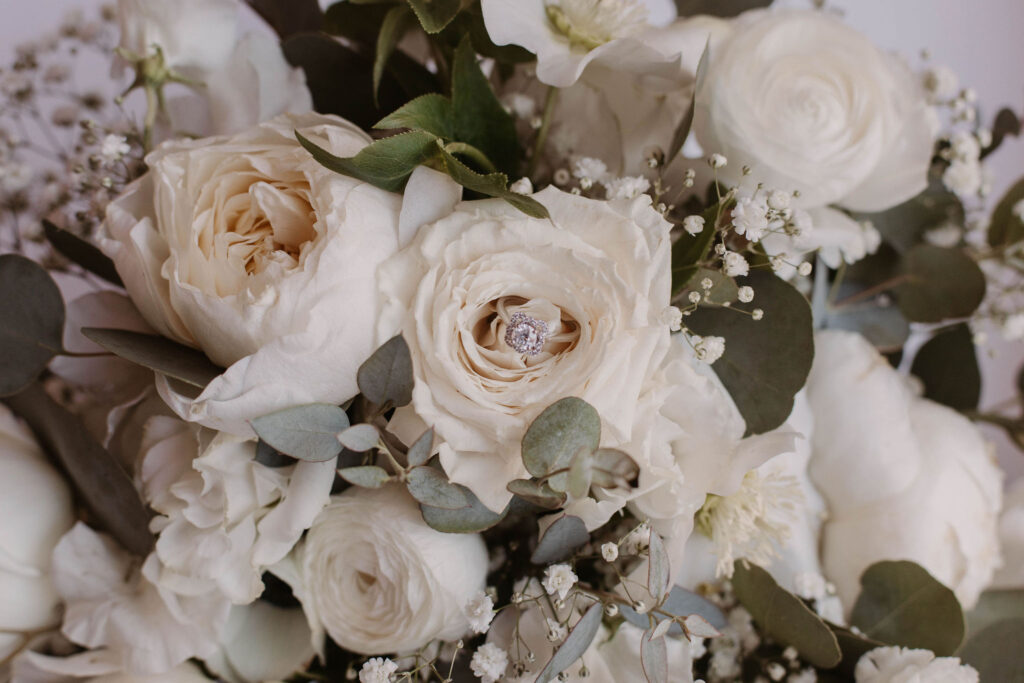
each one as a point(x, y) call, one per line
point(501, 340)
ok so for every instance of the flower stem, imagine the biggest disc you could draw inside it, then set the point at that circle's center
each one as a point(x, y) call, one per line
point(542, 134)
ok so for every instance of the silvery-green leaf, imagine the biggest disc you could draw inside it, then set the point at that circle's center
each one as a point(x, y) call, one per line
point(662, 628)
point(157, 353)
point(31, 322)
point(268, 456)
point(578, 478)
point(680, 603)
point(575, 645)
point(431, 487)
point(82, 252)
point(558, 433)
point(696, 625)
point(884, 326)
point(537, 493)
point(654, 657)
point(683, 129)
point(658, 570)
point(471, 520)
point(308, 432)
point(386, 376)
point(359, 438)
point(940, 284)
point(565, 535)
point(420, 450)
point(611, 468)
point(367, 476)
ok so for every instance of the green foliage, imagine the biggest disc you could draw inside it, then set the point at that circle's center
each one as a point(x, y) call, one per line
point(430, 113)
point(386, 377)
point(538, 493)
point(420, 451)
point(577, 643)
point(682, 131)
point(492, 185)
point(564, 428)
point(386, 163)
point(659, 572)
point(902, 604)
point(479, 118)
point(939, 284)
point(1006, 124)
point(32, 327)
point(680, 604)
point(268, 456)
point(718, 8)
point(434, 15)
point(430, 487)
point(98, 478)
point(784, 617)
point(1006, 226)
point(996, 652)
point(883, 326)
point(157, 353)
point(359, 438)
point(904, 226)
point(948, 366)
point(82, 252)
point(766, 362)
point(366, 476)
point(396, 23)
point(468, 520)
point(689, 251)
point(654, 657)
point(307, 432)
point(566, 534)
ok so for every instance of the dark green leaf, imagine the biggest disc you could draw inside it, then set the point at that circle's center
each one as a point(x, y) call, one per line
point(997, 652)
point(558, 433)
point(940, 284)
point(397, 22)
point(883, 326)
point(31, 322)
point(538, 494)
point(471, 21)
point(683, 129)
point(386, 376)
point(288, 17)
point(659, 573)
point(431, 113)
point(359, 438)
point(479, 118)
point(577, 643)
point(853, 646)
point(368, 477)
point(307, 432)
point(765, 362)
point(784, 617)
point(434, 15)
point(1006, 124)
point(102, 484)
point(471, 520)
point(680, 603)
point(904, 226)
point(902, 604)
point(422, 449)
point(430, 487)
point(948, 366)
point(723, 288)
point(1006, 227)
point(357, 21)
point(81, 251)
point(268, 456)
point(718, 8)
point(690, 250)
point(492, 185)
point(157, 353)
point(993, 606)
point(385, 163)
point(654, 658)
point(565, 535)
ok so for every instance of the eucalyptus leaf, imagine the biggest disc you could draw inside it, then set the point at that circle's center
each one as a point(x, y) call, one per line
point(32, 327)
point(698, 626)
point(471, 520)
point(564, 536)
point(659, 572)
point(948, 366)
point(431, 487)
point(434, 15)
point(996, 652)
point(386, 163)
point(853, 646)
point(558, 433)
point(386, 376)
point(682, 131)
point(479, 118)
point(784, 617)
point(81, 251)
point(157, 353)
point(940, 284)
point(766, 362)
point(724, 289)
point(431, 113)
point(538, 494)
point(689, 251)
point(1006, 227)
point(359, 438)
point(421, 449)
point(575, 645)
point(993, 606)
point(611, 468)
point(397, 22)
point(307, 432)
point(680, 603)
point(1006, 124)
point(902, 604)
point(884, 326)
point(718, 8)
point(366, 476)
point(903, 226)
point(268, 456)
point(492, 185)
point(98, 478)
point(654, 657)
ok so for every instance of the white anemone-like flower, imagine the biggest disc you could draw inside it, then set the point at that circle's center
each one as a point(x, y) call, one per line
point(899, 664)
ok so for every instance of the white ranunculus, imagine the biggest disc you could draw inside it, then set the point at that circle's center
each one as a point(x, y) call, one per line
point(1011, 539)
point(262, 642)
point(812, 105)
point(378, 580)
point(597, 273)
point(904, 478)
point(194, 36)
point(247, 248)
point(902, 665)
point(35, 506)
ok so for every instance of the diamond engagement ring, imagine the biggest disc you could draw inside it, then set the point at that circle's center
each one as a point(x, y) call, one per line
point(526, 335)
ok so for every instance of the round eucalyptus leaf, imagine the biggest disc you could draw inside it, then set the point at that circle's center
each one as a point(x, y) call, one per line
point(558, 433)
point(940, 284)
point(32, 330)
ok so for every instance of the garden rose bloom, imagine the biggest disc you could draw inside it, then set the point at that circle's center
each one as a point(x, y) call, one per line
point(378, 580)
point(250, 250)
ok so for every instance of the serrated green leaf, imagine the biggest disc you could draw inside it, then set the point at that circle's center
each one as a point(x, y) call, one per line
point(431, 487)
point(366, 476)
point(558, 433)
point(421, 449)
point(81, 251)
point(434, 15)
point(948, 366)
point(31, 322)
point(575, 645)
point(359, 438)
point(307, 432)
point(565, 535)
point(784, 617)
point(940, 284)
point(386, 377)
point(158, 354)
point(766, 362)
point(397, 22)
point(478, 116)
point(471, 520)
point(902, 604)
point(539, 494)
point(492, 185)
point(996, 652)
point(431, 113)
point(1006, 226)
point(385, 163)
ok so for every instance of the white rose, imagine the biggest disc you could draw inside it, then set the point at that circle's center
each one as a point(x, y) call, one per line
point(378, 580)
point(812, 105)
point(247, 248)
point(900, 664)
point(597, 273)
point(194, 36)
point(904, 478)
point(35, 506)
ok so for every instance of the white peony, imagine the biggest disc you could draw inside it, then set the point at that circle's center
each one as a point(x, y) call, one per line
point(35, 506)
point(903, 478)
point(377, 579)
point(247, 248)
point(597, 273)
point(812, 105)
point(903, 665)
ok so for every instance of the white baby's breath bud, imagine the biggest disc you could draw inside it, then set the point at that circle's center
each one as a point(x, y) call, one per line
point(589, 167)
point(734, 264)
point(941, 82)
point(779, 200)
point(377, 670)
point(629, 187)
point(776, 671)
point(559, 579)
point(750, 217)
point(489, 663)
point(709, 349)
point(790, 654)
point(556, 631)
point(694, 225)
point(114, 148)
point(610, 552)
point(805, 268)
point(985, 137)
point(479, 612)
point(640, 606)
point(777, 263)
point(694, 297)
point(745, 294)
point(536, 122)
point(757, 314)
point(562, 177)
point(522, 186)
point(706, 283)
point(673, 318)
point(586, 183)
point(717, 161)
point(720, 249)
point(970, 95)
point(611, 610)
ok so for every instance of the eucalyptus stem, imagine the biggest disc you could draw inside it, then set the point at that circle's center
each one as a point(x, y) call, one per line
point(542, 134)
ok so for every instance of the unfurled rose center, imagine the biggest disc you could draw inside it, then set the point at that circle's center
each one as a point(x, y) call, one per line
point(511, 336)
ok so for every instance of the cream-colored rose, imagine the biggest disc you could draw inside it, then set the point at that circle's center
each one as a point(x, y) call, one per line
point(812, 105)
point(35, 506)
point(903, 478)
point(248, 249)
point(378, 580)
point(597, 274)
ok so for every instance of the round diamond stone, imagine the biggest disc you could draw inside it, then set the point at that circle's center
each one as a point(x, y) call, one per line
point(525, 334)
